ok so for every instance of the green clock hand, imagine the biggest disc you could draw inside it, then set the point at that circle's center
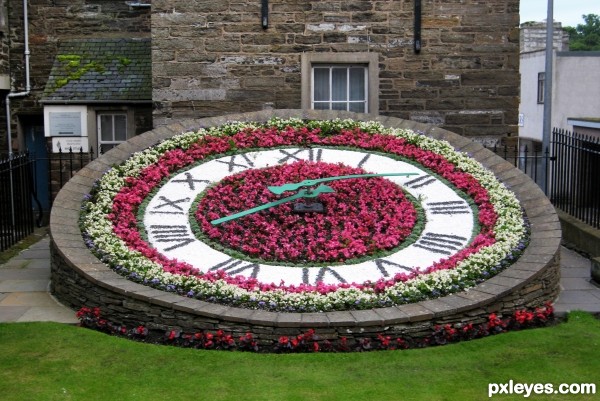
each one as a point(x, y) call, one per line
point(321, 189)
point(307, 183)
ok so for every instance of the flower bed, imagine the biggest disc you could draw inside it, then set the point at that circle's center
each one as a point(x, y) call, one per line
point(112, 229)
point(363, 217)
point(311, 341)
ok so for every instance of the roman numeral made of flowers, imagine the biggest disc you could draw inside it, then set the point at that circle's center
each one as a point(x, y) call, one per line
point(314, 155)
point(191, 181)
point(232, 163)
point(168, 233)
point(419, 182)
point(449, 207)
point(441, 243)
point(324, 271)
point(168, 203)
point(232, 266)
point(382, 264)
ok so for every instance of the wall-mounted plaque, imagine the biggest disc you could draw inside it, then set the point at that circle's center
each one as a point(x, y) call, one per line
point(67, 144)
point(65, 123)
point(66, 120)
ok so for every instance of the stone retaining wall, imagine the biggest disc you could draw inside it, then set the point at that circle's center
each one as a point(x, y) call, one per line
point(79, 279)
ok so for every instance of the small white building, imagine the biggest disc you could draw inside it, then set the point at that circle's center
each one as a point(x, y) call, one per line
point(575, 86)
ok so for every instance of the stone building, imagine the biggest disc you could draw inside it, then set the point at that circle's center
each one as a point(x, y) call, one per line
point(211, 58)
point(218, 57)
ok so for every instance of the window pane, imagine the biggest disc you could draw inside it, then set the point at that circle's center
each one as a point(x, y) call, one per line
point(541, 79)
point(321, 105)
point(357, 84)
point(339, 78)
point(120, 127)
point(339, 106)
point(358, 107)
point(106, 128)
point(321, 84)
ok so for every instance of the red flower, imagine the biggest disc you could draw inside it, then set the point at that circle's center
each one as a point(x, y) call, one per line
point(366, 235)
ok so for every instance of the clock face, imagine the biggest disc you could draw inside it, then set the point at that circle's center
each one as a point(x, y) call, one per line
point(447, 227)
point(443, 226)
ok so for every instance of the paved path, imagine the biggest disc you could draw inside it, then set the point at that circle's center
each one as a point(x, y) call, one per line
point(25, 285)
point(577, 291)
point(25, 280)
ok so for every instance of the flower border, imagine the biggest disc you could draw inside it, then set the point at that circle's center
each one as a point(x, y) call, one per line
point(410, 238)
point(310, 341)
point(510, 231)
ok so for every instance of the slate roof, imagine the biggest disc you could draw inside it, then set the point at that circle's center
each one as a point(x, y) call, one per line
point(101, 70)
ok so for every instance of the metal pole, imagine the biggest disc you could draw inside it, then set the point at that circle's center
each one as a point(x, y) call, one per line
point(548, 92)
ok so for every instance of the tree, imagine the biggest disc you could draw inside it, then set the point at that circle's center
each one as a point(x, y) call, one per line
point(585, 36)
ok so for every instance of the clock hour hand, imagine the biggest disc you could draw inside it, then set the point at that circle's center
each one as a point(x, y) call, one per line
point(307, 183)
point(304, 193)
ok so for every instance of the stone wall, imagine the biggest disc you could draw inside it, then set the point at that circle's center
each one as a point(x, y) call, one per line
point(79, 279)
point(211, 58)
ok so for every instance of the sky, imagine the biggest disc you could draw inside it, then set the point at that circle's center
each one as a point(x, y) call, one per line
point(568, 12)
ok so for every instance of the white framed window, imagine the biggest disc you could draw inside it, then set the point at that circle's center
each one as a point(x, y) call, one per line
point(112, 130)
point(541, 87)
point(340, 87)
point(341, 81)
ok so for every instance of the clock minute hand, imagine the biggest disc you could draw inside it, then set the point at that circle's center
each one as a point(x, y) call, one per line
point(307, 183)
point(321, 189)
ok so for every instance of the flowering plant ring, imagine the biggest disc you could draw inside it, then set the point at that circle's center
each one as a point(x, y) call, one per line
point(117, 218)
point(361, 217)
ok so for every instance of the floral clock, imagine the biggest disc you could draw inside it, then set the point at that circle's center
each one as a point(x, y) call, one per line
point(303, 216)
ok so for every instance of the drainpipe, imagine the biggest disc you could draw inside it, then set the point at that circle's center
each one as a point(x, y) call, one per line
point(8, 114)
point(27, 80)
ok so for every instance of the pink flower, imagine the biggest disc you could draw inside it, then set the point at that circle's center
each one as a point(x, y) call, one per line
point(366, 222)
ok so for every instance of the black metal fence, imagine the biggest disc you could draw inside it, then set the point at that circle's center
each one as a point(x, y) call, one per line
point(572, 171)
point(527, 157)
point(62, 166)
point(28, 186)
point(575, 175)
point(16, 190)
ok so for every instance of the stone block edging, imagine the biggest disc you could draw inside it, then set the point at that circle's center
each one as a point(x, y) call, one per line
point(79, 279)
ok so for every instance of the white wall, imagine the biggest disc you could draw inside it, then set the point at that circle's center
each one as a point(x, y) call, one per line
point(576, 87)
point(575, 93)
point(533, 113)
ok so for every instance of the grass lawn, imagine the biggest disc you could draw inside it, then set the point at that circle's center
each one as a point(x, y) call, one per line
point(50, 361)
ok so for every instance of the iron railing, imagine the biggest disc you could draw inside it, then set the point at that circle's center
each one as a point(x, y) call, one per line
point(28, 186)
point(575, 175)
point(572, 171)
point(63, 165)
point(527, 157)
point(16, 197)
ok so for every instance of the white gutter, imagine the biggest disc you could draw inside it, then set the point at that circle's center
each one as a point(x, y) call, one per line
point(27, 80)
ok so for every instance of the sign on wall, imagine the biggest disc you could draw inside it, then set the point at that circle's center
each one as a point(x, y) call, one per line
point(63, 121)
point(67, 144)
